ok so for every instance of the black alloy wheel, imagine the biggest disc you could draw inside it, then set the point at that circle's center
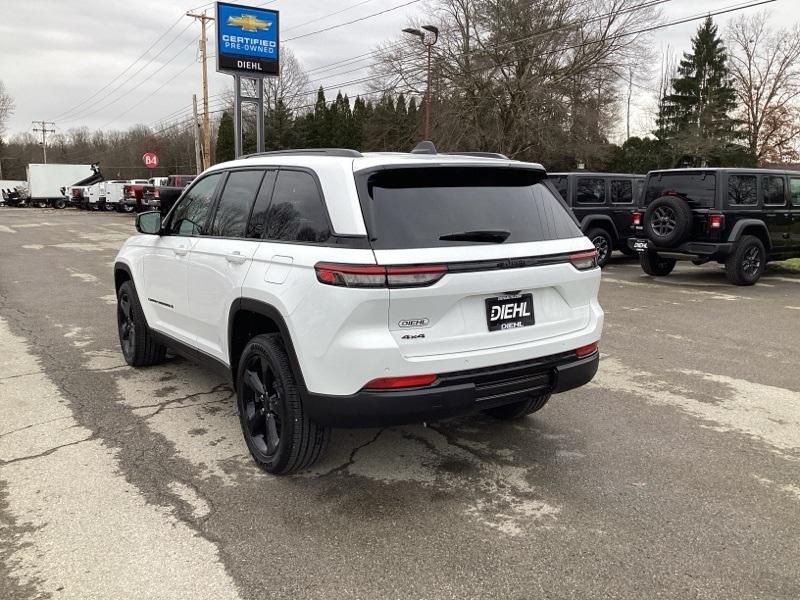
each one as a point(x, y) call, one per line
point(602, 243)
point(126, 325)
point(663, 221)
point(263, 408)
point(751, 261)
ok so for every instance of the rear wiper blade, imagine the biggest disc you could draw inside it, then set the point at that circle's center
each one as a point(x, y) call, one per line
point(497, 236)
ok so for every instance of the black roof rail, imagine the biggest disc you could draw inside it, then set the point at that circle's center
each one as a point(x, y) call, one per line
point(340, 152)
point(479, 154)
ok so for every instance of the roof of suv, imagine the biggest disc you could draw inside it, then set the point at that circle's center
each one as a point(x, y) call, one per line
point(369, 160)
point(754, 171)
point(594, 174)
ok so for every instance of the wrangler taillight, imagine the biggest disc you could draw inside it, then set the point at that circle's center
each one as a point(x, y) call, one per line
point(716, 221)
point(584, 261)
point(379, 276)
point(636, 219)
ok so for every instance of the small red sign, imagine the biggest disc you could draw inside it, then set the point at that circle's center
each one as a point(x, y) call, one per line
point(150, 160)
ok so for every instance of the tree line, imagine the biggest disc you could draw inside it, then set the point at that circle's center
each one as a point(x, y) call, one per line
point(543, 80)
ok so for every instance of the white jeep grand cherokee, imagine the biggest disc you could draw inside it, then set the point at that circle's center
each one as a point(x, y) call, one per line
point(342, 289)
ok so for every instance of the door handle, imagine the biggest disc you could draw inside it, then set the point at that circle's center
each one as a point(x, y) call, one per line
point(235, 258)
point(180, 250)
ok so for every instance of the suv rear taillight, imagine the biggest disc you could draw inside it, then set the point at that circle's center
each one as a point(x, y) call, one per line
point(636, 219)
point(716, 221)
point(583, 261)
point(379, 276)
point(586, 350)
point(156, 193)
point(394, 383)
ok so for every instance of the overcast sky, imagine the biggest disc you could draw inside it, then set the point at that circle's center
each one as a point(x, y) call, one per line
point(54, 54)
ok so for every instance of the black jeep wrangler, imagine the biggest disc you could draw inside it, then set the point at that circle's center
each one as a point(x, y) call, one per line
point(603, 204)
point(741, 218)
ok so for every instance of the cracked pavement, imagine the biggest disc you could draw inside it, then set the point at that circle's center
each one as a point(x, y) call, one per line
point(675, 474)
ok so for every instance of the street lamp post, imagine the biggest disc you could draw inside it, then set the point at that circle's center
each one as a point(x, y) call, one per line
point(428, 41)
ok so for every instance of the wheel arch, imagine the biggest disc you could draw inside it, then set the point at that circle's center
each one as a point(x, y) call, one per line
point(122, 273)
point(755, 227)
point(246, 319)
point(601, 221)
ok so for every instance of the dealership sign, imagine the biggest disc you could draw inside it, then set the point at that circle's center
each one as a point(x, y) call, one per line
point(247, 40)
point(150, 160)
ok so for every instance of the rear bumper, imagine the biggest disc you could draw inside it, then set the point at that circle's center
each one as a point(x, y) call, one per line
point(454, 394)
point(701, 250)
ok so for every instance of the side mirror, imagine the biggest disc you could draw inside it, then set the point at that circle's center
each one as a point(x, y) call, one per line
point(149, 222)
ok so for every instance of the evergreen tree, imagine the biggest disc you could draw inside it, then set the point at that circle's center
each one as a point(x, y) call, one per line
point(694, 117)
point(318, 135)
point(225, 142)
point(412, 122)
point(278, 124)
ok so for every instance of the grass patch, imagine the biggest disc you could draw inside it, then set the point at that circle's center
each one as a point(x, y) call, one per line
point(790, 266)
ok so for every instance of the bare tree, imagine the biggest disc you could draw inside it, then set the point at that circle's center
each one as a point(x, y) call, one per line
point(6, 108)
point(765, 65)
point(529, 78)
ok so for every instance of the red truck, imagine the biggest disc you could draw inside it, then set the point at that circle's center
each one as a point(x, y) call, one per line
point(151, 197)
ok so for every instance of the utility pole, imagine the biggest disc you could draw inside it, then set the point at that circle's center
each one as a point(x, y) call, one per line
point(197, 153)
point(44, 130)
point(204, 19)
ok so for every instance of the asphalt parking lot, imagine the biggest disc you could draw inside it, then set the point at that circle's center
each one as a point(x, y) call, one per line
point(675, 474)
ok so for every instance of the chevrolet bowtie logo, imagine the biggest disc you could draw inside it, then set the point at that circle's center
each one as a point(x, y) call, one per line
point(248, 23)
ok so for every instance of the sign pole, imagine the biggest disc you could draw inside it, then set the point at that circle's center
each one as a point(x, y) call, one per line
point(237, 116)
point(247, 47)
point(260, 115)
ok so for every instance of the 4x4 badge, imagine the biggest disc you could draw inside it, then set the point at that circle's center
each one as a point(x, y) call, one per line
point(406, 323)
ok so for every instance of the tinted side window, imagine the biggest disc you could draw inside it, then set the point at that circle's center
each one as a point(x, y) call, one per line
point(297, 212)
point(794, 186)
point(774, 188)
point(591, 190)
point(561, 184)
point(621, 191)
point(191, 213)
point(742, 190)
point(258, 218)
point(235, 202)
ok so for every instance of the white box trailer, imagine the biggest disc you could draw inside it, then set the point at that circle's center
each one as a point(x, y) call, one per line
point(45, 182)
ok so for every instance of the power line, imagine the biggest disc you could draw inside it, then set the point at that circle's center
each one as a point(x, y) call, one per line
point(364, 18)
point(95, 106)
point(323, 17)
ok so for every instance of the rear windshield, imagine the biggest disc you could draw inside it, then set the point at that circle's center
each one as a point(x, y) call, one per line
point(450, 206)
point(697, 188)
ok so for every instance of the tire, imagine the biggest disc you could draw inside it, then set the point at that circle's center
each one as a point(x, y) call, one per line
point(747, 262)
point(127, 208)
point(603, 243)
point(517, 410)
point(668, 221)
point(138, 346)
point(655, 265)
point(61, 203)
point(108, 207)
point(280, 436)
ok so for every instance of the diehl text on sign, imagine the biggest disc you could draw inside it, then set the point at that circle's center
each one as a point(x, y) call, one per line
point(247, 40)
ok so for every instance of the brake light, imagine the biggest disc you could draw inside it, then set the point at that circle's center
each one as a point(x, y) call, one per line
point(393, 383)
point(636, 219)
point(583, 261)
point(156, 193)
point(378, 276)
point(716, 221)
point(586, 350)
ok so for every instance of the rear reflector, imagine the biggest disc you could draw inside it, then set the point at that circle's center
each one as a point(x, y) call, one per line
point(636, 219)
point(586, 350)
point(378, 276)
point(393, 383)
point(584, 260)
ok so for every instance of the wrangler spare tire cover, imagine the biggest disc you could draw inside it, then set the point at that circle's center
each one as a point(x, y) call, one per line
point(668, 221)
